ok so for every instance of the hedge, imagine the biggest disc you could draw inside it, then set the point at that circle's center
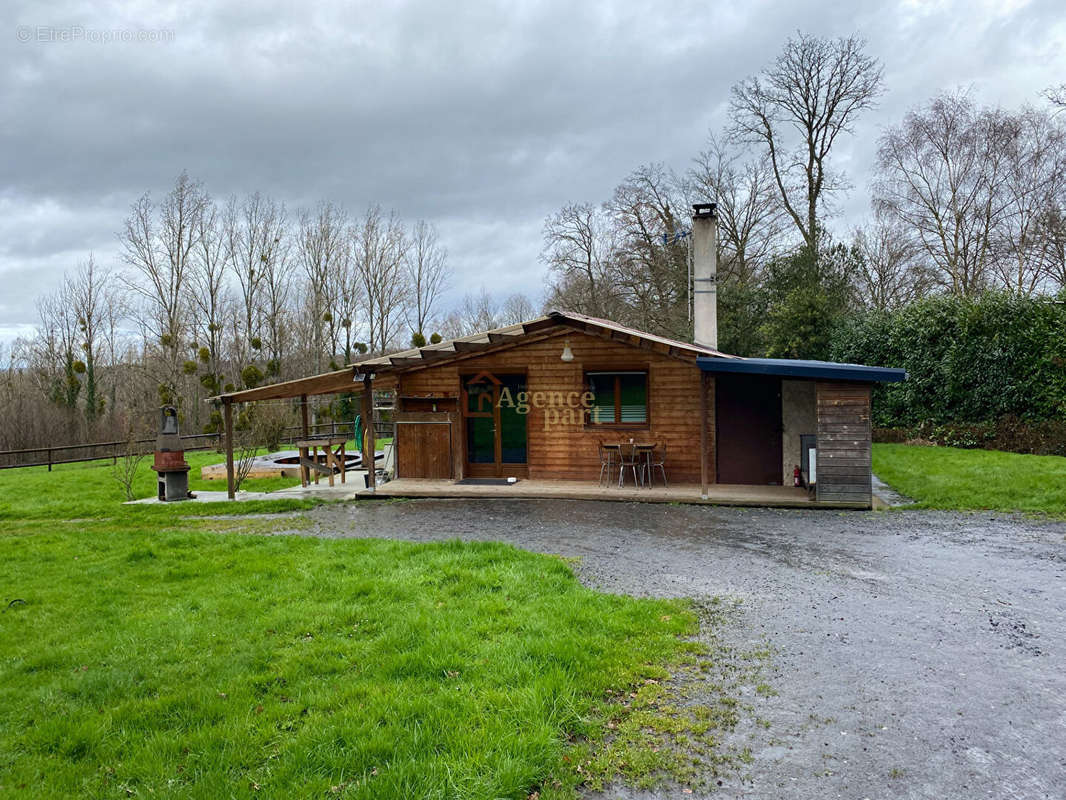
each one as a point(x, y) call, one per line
point(967, 360)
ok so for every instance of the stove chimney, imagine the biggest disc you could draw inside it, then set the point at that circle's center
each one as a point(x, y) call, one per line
point(705, 274)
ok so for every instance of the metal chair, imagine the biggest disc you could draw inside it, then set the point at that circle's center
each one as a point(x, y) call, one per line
point(656, 458)
point(643, 453)
point(628, 457)
point(607, 462)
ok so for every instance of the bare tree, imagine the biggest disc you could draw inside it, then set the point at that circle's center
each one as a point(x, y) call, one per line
point(578, 248)
point(1053, 255)
point(114, 313)
point(475, 313)
point(649, 217)
point(796, 109)
point(276, 306)
point(210, 297)
point(891, 272)
point(158, 245)
point(254, 231)
point(749, 212)
point(54, 352)
point(516, 308)
point(1056, 95)
point(127, 464)
point(941, 175)
point(1035, 179)
point(428, 275)
point(379, 247)
point(88, 292)
point(324, 254)
point(244, 458)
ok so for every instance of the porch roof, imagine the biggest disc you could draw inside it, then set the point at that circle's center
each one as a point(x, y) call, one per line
point(796, 368)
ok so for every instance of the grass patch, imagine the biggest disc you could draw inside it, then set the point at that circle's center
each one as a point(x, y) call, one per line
point(972, 480)
point(178, 663)
point(672, 728)
point(87, 490)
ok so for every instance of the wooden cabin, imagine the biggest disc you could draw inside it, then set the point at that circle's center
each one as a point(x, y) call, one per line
point(535, 400)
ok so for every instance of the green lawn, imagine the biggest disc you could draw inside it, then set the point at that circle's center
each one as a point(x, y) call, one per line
point(968, 480)
point(147, 653)
point(87, 490)
point(187, 664)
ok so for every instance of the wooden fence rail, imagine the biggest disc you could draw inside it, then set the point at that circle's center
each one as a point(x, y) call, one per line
point(74, 453)
point(49, 455)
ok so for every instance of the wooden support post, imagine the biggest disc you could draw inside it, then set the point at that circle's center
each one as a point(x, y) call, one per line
point(231, 489)
point(305, 434)
point(368, 433)
point(703, 435)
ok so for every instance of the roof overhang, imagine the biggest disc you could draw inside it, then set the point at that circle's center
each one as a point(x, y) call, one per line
point(794, 368)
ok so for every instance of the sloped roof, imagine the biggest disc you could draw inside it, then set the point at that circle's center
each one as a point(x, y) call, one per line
point(485, 339)
point(349, 379)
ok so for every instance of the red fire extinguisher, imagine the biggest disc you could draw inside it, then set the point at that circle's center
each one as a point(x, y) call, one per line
point(797, 478)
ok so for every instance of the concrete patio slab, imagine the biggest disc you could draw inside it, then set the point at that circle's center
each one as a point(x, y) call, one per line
point(718, 494)
point(339, 491)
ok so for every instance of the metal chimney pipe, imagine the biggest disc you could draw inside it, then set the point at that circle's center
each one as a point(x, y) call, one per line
point(705, 274)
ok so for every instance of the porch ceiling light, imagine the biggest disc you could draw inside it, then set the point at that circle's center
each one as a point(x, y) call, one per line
point(568, 354)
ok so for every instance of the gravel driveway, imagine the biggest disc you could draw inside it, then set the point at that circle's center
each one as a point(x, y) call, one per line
point(916, 654)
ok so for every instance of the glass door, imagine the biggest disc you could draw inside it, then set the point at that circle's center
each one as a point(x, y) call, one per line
point(495, 431)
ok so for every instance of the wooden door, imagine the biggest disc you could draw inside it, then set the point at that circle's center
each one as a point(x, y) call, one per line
point(423, 449)
point(748, 429)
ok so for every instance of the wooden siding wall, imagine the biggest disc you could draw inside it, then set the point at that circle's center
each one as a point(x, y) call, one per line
point(569, 451)
point(843, 442)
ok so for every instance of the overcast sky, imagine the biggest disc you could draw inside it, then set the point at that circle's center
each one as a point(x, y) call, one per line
point(480, 117)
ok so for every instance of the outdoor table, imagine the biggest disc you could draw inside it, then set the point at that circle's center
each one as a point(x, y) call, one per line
point(332, 449)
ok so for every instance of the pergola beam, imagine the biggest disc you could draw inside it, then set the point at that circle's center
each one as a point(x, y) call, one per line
point(470, 347)
point(326, 383)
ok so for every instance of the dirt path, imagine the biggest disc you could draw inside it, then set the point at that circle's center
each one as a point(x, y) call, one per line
point(916, 654)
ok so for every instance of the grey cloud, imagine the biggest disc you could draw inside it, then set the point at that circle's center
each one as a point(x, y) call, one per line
point(480, 117)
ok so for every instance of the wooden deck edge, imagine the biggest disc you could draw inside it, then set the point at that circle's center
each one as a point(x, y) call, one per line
point(505, 493)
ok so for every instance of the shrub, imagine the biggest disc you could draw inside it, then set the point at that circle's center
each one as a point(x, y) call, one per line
point(269, 423)
point(251, 376)
point(967, 360)
point(1010, 433)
